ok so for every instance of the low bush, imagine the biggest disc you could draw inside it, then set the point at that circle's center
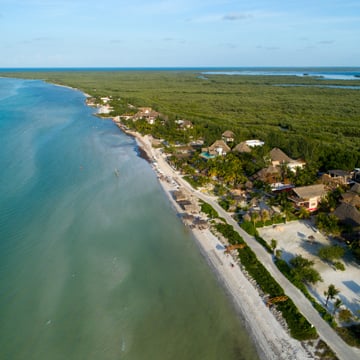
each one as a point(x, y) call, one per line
point(350, 334)
point(339, 266)
point(249, 227)
point(209, 210)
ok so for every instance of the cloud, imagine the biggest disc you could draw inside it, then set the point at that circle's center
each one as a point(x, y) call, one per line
point(235, 17)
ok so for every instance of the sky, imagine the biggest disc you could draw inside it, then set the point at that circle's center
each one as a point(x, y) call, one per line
point(184, 33)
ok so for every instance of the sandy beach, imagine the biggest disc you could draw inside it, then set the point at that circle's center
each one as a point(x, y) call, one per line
point(268, 332)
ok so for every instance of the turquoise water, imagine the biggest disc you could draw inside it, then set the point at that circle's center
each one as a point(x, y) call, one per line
point(93, 265)
point(206, 155)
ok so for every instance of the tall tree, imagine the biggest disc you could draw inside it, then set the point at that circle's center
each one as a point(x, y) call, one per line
point(330, 293)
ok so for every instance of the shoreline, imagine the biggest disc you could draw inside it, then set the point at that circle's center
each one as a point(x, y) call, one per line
point(270, 338)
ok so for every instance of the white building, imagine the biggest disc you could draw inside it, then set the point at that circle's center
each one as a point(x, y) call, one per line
point(253, 143)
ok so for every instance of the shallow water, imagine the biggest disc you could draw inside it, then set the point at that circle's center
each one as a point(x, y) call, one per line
point(94, 265)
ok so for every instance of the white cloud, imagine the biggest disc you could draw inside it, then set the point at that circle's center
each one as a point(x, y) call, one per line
point(234, 17)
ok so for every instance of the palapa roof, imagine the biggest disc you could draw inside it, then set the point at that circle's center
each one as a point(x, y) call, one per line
point(348, 214)
point(355, 188)
point(278, 155)
point(339, 173)
point(307, 192)
point(243, 147)
point(219, 144)
point(351, 198)
point(179, 195)
point(228, 134)
point(263, 174)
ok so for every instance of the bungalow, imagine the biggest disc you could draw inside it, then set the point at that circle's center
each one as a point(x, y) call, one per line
point(184, 124)
point(242, 148)
point(105, 99)
point(228, 136)
point(270, 175)
point(352, 196)
point(217, 148)
point(278, 158)
point(308, 196)
point(348, 214)
point(340, 176)
point(179, 196)
point(196, 144)
point(183, 151)
point(147, 114)
point(253, 143)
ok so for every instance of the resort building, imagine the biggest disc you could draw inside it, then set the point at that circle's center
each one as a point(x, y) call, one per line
point(218, 148)
point(278, 158)
point(228, 136)
point(308, 197)
point(243, 147)
point(146, 113)
point(341, 176)
point(270, 175)
point(184, 124)
point(348, 214)
point(253, 143)
point(105, 99)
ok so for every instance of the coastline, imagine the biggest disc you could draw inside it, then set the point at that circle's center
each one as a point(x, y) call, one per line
point(269, 336)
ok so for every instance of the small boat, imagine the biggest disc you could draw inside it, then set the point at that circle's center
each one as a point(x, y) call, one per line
point(117, 172)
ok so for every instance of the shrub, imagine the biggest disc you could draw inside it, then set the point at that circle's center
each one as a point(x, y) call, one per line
point(350, 334)
point(339, 266)
point(248, 226)
point(209, 210)
point(331, 252)
point(259, 224)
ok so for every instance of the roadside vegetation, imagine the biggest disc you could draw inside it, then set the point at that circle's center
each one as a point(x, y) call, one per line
point(299, 327)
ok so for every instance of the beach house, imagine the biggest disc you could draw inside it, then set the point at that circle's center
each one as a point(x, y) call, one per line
point(278, 158)
point(308, 197)
point(228, 136)
point(146, 113)
point(218, 148)
point(254, 143)
point(242, 147)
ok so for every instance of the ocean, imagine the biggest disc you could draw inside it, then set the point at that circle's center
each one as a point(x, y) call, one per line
point(94, 265)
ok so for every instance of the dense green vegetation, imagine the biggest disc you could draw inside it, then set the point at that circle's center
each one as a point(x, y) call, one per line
point(316, 123)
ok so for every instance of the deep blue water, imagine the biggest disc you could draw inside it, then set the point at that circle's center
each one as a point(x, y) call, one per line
point(95, 266)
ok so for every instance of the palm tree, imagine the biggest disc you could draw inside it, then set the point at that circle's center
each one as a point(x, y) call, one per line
point(254, 218)
point(265, 215)
point(337, 305)
point(273, 244)
point(330, 293)
point(303, 213)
